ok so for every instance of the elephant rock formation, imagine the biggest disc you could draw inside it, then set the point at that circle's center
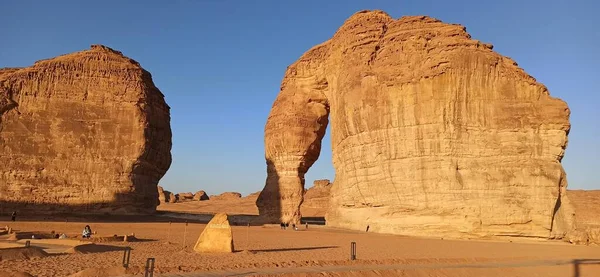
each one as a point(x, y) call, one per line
point(433, 134)
point(83, 132)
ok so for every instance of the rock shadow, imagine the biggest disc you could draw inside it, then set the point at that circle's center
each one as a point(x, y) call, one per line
point(96, 248)
point(269, 200)
point(293, 249)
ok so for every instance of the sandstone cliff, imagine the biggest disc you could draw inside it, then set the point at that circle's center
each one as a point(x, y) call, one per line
point(83, 132)
point(433, 134)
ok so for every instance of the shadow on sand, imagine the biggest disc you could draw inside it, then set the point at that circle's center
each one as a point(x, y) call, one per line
point(578, 263)
point(96, 248)
point(290, 249)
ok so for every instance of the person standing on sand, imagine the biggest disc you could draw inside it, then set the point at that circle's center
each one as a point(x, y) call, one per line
point(14, 216)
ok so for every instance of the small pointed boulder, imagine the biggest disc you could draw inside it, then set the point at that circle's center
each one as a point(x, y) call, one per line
point(216, 237)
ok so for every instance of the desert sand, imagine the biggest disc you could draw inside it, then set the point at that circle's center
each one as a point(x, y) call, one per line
point(298, 253)
point(239, 206)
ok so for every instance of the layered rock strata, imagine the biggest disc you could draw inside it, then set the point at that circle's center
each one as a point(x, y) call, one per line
point(83, 132)
point(433, 133)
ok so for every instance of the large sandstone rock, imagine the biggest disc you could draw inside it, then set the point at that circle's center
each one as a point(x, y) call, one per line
point(84, 132)
point(433, 134)
point(200, 196)
point(216, 237)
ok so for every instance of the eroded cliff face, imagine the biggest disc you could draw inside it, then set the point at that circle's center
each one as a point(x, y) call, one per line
point(433, 134)
point(84, 132)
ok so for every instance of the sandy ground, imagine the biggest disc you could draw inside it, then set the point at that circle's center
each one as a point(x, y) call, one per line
point(316, 246)
point(241, 206)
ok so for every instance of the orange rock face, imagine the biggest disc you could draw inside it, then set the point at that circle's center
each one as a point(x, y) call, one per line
point(433, 134)
point(83, 132)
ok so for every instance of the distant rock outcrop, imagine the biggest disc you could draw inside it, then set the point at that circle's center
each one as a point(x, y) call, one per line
point(162, 198)
point(323, 183)
point(88, 130)
point(200, 196)
point(184, 196)
point(433, 134)
point(226, 196)
point(171, 197)
point(587, 208)
point(316, 198)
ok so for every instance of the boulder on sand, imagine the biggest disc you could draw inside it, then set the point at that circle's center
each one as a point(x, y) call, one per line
point(216, 237)
point(200, 196)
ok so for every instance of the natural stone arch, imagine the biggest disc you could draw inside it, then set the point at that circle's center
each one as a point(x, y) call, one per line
point(433, 133)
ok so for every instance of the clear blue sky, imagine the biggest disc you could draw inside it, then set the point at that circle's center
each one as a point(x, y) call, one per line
point(220, 63)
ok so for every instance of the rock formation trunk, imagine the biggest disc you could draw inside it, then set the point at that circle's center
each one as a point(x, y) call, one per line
point(433, 134)
point(293, 134)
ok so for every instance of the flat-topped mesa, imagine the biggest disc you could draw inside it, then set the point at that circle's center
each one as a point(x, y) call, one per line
point(321, 183)
point(85, 132)
point(433, 134)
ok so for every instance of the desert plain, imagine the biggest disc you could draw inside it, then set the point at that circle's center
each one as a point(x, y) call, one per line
point(268, 250)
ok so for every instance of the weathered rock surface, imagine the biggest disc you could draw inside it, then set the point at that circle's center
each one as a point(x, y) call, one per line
point(200, 196)
point(433, 134)
point(226, 196)
point(87, 130)
point(216, 237)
